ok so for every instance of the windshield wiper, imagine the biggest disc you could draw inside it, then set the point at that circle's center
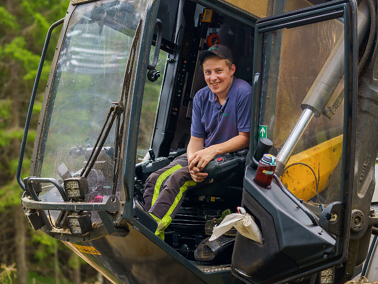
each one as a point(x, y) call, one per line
point(116, 113)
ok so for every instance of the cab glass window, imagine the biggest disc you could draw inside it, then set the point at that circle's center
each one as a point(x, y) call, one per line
point(89, 78)
point(290, 83)
point(150, 104)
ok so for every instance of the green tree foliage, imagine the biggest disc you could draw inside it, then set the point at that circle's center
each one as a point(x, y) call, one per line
point(23, 28)
point(44, 246)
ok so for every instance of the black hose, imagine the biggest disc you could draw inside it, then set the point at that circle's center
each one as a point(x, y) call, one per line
point(369, 45)
point(330, 111)
point(316, 179)
point(376, 45)
point(374, 231)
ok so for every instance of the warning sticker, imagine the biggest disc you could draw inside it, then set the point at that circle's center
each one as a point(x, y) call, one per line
point(87, 249)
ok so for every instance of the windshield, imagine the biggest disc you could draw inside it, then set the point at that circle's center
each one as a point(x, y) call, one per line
point(88, 79)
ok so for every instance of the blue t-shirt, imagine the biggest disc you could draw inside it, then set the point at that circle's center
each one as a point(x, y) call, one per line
point(218, 124)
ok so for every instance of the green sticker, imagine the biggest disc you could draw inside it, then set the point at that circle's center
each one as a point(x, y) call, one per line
point(262, 131)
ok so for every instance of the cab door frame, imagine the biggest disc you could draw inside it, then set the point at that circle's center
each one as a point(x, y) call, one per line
point(297, 18)
point(135, 108)
point(314, 14)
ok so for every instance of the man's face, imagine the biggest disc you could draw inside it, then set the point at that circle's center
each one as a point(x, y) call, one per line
point(218, 75)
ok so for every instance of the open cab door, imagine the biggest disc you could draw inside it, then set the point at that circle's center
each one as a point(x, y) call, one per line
point(305, 91)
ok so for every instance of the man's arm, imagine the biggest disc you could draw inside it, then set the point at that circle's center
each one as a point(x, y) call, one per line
point(198, 158)
point(195, 144)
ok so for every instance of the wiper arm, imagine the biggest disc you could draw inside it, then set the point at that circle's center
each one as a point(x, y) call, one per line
point(115, 113)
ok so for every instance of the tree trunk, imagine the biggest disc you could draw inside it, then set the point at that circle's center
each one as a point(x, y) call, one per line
point(20, 245)
point(15, 78)
point(56, 264)
point(100, 278)
point(76, 271)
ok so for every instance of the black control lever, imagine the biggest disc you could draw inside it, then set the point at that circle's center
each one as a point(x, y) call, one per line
point(152, 154)
point(262, 148)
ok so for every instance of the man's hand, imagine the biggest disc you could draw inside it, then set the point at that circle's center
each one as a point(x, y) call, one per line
point(198, 161)
point(195, 145)
point(198, 176)
point(201, 158)
point(198, 158)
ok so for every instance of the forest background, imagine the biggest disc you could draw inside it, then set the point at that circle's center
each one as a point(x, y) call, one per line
point(27, 256)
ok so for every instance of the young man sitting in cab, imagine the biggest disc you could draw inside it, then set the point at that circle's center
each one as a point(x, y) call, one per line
point(220, 125)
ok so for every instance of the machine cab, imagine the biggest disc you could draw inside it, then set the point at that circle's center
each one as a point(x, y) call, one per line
point(118, 107)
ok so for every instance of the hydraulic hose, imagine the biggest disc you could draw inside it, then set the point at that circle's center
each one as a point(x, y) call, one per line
point(330, 111)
